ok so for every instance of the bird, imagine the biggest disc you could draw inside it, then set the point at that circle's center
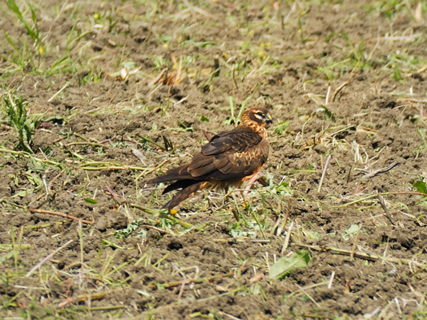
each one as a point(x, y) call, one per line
point(227, 160)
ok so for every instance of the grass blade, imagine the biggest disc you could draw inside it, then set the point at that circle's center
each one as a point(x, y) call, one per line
point(34, 34)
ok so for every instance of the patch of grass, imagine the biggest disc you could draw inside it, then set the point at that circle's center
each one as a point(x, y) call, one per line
point(17, 116)
point(117, 266)
point(23, 54)
point(281, 127)
point(32, 52)
point(422, 133)
point(235, 119)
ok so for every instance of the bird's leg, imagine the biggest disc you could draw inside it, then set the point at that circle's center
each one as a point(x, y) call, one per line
point(251, 181)
point(230, 194)
point(236, 211)
point(242, 194)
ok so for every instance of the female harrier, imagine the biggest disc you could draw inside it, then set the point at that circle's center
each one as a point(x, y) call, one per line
point(228, 159)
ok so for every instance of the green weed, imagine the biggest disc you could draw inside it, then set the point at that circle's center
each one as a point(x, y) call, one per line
point(235, 119)
point(27, 53)
point(17, 116)
point(22, 54)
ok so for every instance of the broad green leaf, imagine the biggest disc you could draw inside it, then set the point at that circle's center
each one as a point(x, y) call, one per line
point(91, 201)
point(285, 265)
point(22, 193)
point(421, 186)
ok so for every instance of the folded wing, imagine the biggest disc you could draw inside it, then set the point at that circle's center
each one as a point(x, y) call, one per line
point(229, 156)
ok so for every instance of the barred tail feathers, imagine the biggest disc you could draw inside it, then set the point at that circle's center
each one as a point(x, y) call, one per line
point(180, 173)
point(185, 193)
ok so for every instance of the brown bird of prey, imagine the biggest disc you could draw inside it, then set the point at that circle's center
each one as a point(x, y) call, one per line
point(228, 159)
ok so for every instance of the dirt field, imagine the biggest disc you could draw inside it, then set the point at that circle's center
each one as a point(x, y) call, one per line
point(116, 92)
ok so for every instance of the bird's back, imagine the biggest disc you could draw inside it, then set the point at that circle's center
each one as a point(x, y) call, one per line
point(228, 159)
point(228, 156)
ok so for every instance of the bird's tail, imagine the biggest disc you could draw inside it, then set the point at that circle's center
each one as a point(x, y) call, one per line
point(179, 173)
point(180, 184)
point(185, 193)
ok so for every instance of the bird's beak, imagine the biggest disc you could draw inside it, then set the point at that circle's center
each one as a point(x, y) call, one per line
point(269, 119)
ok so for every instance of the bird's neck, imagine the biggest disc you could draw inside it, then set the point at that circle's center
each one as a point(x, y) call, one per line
point(254, 127)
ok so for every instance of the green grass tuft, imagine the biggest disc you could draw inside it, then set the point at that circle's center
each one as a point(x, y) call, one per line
point(16, 111)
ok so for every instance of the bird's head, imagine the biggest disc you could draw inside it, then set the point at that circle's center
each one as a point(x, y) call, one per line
point(257, 117)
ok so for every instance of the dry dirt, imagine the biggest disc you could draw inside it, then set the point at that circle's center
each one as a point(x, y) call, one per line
point(272, 55)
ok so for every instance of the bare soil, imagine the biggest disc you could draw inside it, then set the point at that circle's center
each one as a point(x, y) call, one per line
point(272, 55)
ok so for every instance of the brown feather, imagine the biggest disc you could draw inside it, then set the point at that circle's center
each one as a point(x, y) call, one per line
point(180, 184)
point(185, 193)
point(229, 158)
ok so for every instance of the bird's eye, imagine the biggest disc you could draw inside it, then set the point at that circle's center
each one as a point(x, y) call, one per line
point(259, 115)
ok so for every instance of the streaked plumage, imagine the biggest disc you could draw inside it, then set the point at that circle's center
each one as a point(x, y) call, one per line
point(228, 159)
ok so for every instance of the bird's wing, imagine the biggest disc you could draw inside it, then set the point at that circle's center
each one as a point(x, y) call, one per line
point(232, 140)
point(230, 156)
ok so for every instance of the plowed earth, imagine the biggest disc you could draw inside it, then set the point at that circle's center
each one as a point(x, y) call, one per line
point(344, 82)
